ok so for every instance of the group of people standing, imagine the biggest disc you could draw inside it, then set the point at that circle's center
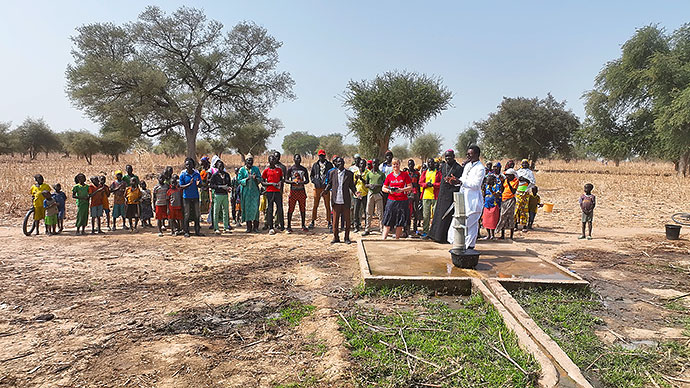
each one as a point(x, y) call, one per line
point(402, 199)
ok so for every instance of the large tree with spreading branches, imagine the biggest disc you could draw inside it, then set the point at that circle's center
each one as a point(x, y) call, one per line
point(393, 104)
point(175, 72)
point(640, 104)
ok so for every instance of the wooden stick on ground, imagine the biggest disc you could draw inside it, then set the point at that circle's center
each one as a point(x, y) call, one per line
point(16, 357)
point(409, 365)
point(651, 379)
point(678, 297)
point(345, 320)
point(507, 357)
point(411, 355)
point(675, 379)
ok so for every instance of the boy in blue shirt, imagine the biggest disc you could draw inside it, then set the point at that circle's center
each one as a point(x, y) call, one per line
point(189, 183)
point(60, 198)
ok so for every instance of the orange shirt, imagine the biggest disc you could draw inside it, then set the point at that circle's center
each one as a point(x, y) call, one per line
point(106, 193)
point(133, 195)
point(507, 193)
point(97, 198)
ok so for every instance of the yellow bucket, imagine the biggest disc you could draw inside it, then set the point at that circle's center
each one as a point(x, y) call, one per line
point(548, 207)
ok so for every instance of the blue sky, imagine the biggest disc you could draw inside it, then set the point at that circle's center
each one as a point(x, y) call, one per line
point(482, 51)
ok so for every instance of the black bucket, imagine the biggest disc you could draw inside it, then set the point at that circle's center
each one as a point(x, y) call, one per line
point(672, 232)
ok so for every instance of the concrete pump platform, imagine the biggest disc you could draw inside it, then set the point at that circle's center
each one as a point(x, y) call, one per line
point(502, 266)
point(387, 262)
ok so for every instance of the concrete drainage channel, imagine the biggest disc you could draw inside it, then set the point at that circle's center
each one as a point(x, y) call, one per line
point(501, 268)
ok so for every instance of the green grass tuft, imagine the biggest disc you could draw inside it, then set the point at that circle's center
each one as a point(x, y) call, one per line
point(398, 292)
point(294, 312)
point(569, 318)
point(460, 341)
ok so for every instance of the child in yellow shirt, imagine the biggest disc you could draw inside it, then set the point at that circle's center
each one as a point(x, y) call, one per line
point(37, 190)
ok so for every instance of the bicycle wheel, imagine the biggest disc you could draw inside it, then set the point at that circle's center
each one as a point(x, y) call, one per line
point(28, 226)
point(681, 218)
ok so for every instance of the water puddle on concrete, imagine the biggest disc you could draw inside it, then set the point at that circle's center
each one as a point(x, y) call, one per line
point(422, 258)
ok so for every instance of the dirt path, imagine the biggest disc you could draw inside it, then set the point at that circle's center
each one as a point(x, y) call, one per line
point(114, 296)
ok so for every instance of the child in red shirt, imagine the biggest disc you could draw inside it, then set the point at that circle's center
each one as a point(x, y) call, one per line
point(175, 206)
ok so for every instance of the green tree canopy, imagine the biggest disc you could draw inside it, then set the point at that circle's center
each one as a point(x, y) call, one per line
point(401, 152)
point(35, 136)
point(393, 104)
point(466, 138)
point(427, 146)
point(218, 145)
point(332, 144)
point(6, 141)
point(117, 136)
point(83, 144)
point(114, 145)
point(203, 147)
point(249, 137)
point(171, 144)
point(529, 128)
point(302, 143)
point(640, 101)
point(175, 72)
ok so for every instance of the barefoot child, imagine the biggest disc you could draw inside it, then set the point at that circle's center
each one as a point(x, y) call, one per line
point(145, 209)
point(60, 198)
point(50, 206)
point(37, 194)
point(587, 203)
point(534, 204)
point(492, 206)
point(96, 194)
point(133, 195)
point(106, 202)
point(80, 192)
point(118, 189)
point(160, 198)
point(175, 206)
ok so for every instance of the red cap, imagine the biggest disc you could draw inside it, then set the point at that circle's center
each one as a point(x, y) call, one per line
point(322, 152)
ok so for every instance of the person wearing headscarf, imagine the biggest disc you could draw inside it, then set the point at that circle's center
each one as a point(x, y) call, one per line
point(526, 178)
point(204, 195)
point(210, 171)
point(450, 171)
point(507, 216)
point(249, 177)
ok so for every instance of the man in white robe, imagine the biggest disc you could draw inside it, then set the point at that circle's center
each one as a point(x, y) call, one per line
point(472, 178)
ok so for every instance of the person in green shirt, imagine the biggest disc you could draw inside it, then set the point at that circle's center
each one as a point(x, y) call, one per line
point(130, 175)
point(374, 182)
point(80, 192)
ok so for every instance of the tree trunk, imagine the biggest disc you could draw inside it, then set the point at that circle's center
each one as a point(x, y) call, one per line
point(683, 164)
point(617, 162)
point(383, 144)
point(190, 133)
point(88, 159)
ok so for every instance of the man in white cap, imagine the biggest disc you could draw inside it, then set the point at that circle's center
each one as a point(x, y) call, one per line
point(472, 178)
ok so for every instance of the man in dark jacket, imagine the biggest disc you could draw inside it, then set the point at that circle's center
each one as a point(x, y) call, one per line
point(451, 172)
point(339, 182)
point(318, 178)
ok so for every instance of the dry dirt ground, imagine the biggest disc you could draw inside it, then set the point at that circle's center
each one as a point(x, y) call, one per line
point(137, 310)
